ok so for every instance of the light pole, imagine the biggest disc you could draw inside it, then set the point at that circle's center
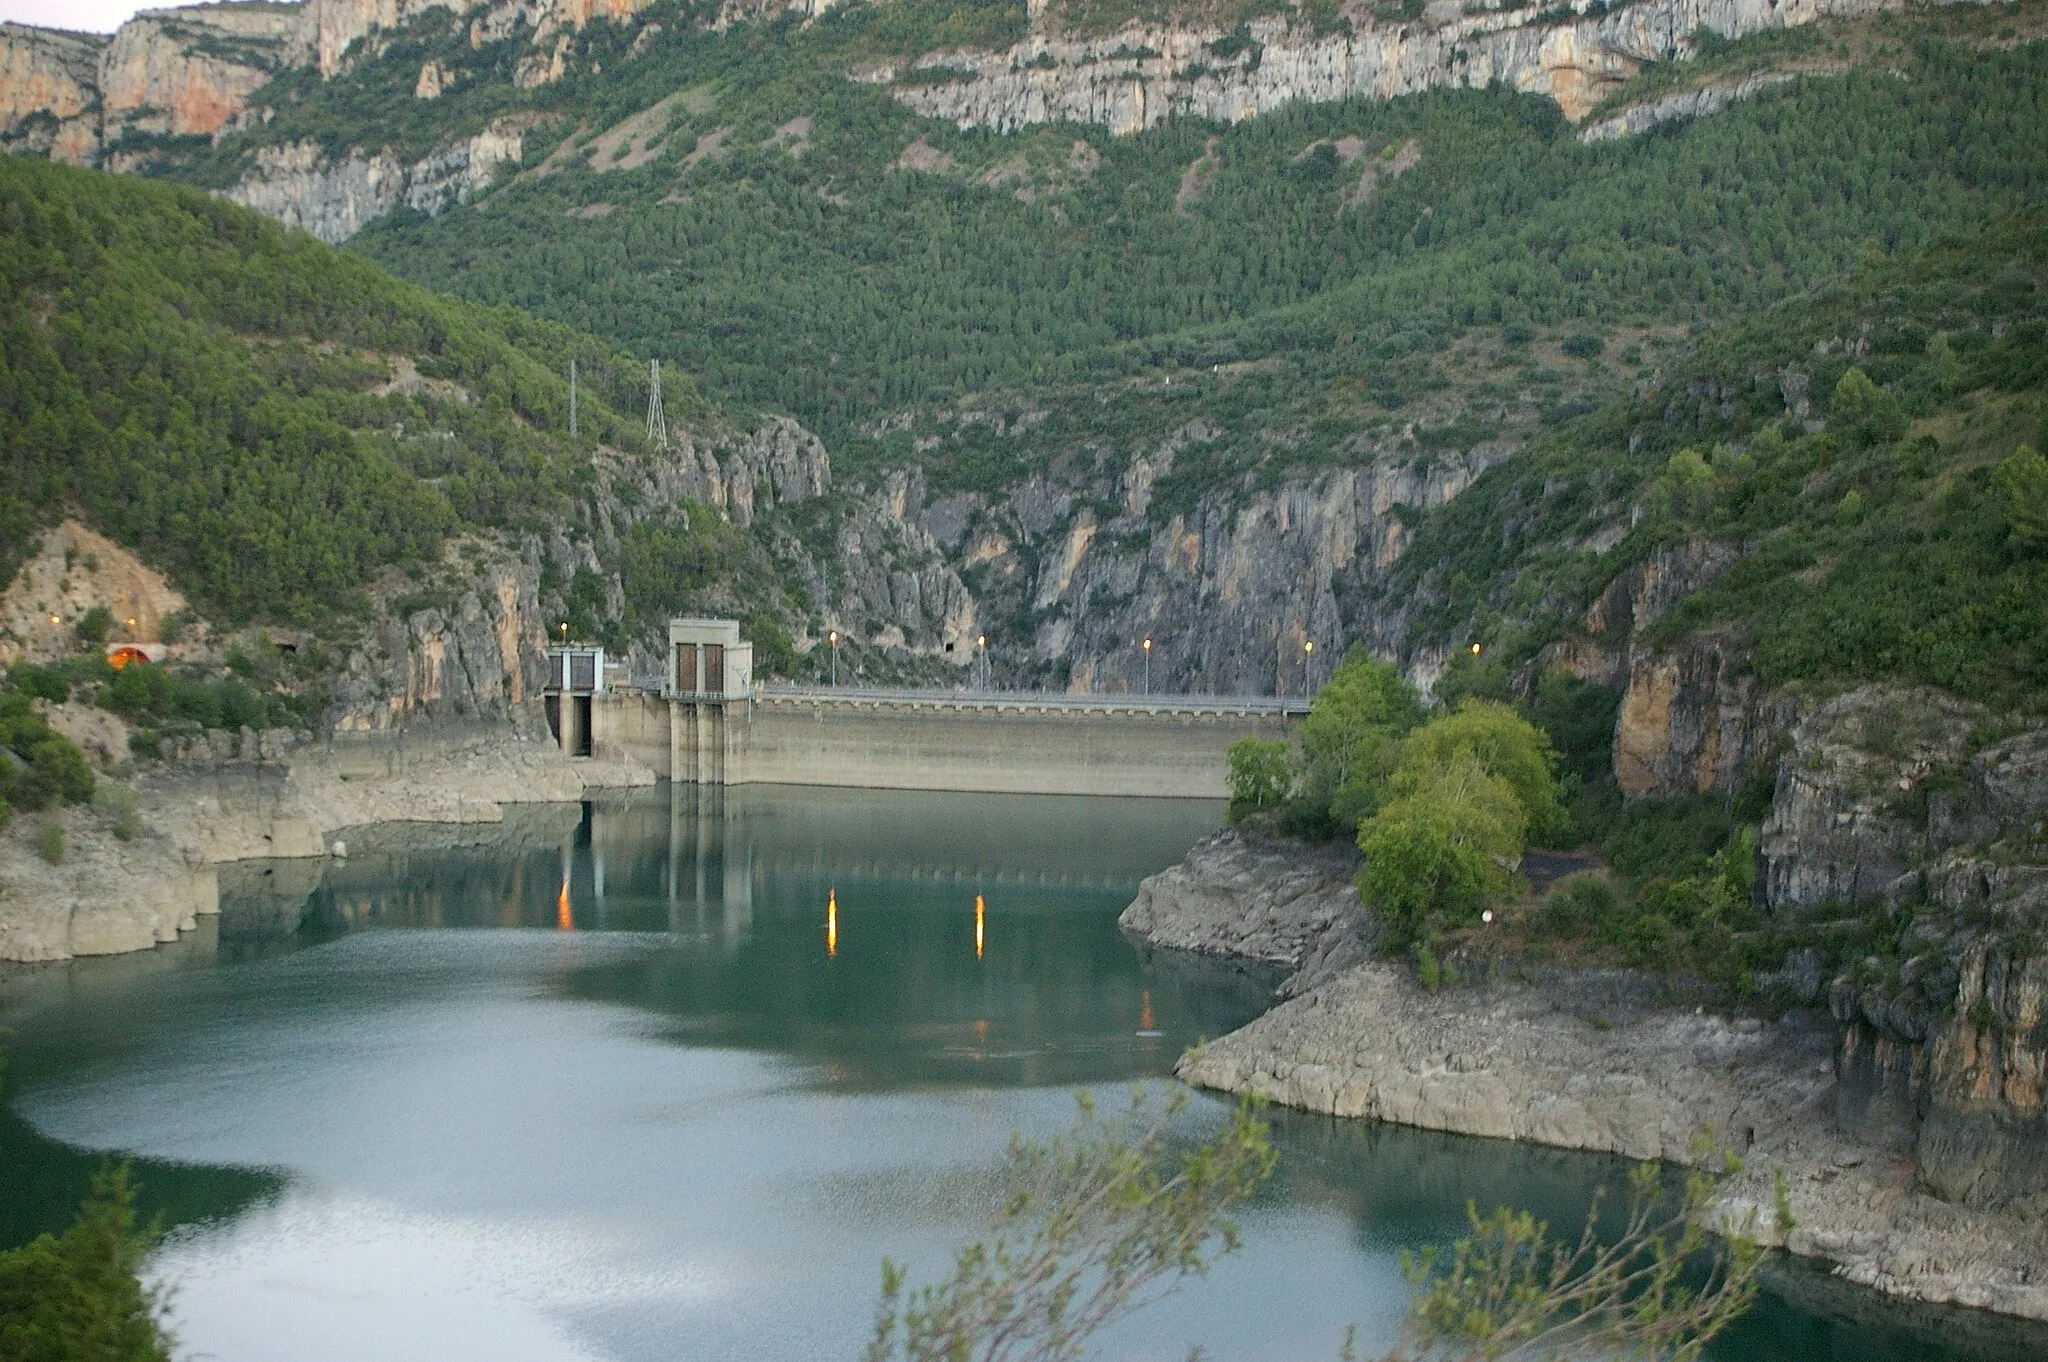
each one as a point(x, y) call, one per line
point(1308, 659)
point(981, 656)
point(1147, 646)
point(833, 639)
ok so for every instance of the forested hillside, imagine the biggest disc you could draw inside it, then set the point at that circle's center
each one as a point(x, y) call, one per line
point(803, 242)
point(267, 419)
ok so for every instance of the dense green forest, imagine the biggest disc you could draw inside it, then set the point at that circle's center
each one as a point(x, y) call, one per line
point(219, 394)
point(802, 265)
point(1896, 531)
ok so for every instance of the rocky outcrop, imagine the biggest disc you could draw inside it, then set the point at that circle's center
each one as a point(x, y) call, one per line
point(1896, 797)
point(1256, 898)
point(1228, 588)
point(103, 896)
point(49, 92)
point(1537, 1063)
point(1698, 102)
point(302, 187)
point(1147, 73)
point(188, 72)
point(72, 571)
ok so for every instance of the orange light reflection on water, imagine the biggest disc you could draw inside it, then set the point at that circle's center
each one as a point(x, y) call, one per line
point(565, 921)
point(977, 926)
point(831, 922)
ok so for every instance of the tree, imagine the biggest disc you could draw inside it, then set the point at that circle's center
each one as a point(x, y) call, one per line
point(76, 1295)
point(1863, 412)
point(1511, 1289)
point(1259, 776)
point(1097, 1223)
point(1438, 852)
point(1502, 742)
point(1350, 736)
point(2021, 483)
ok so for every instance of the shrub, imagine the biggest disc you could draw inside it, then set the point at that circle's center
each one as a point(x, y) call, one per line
point(51, 842)
point(1864, 413)
point(1585, 345)
point(1578, 905)
point(93, 626)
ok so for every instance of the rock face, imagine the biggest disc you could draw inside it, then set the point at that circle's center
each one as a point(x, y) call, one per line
point(301, 187)
point(1144, 74)
point(106, 896)
point(73, 571)
point(1262, 899)
point(1676, 108)
point(1228, 588)
point(49, 92)
point(1531, 1063)
point(1896, 796)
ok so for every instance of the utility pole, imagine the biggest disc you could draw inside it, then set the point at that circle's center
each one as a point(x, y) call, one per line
point(1147, 646)
point(833, 638)
point(572, 395)
point(1308, 666)
point(657, 424)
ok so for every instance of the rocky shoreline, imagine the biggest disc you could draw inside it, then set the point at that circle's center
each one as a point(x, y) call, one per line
point(259, 799)
point(1580, 1059)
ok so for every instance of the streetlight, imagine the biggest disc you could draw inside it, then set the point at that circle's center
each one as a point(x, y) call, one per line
point(1147, 646)
point(1308, 658)
point(1475, 650)
point(981, 656)
point(833, 638)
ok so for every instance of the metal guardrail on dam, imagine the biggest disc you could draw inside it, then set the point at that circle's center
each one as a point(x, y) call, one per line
point(1035, 701)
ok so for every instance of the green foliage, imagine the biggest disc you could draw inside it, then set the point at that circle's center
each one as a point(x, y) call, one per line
point(1096, 1224)
point(1438, 851)
point(163, 698)
point(50, 841)
point(38, 766)
point(1260, 776)
point(211, 390)
point(1895, 543)
point(1348, 741)
point(1584, 345)
point(2021, 483)
point(1510, 1289)
point(1502, 744)
point(1864, 413)
point(93, 625)
point(77, 1295)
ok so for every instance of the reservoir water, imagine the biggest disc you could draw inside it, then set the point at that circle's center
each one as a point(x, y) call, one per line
point(666, 1075)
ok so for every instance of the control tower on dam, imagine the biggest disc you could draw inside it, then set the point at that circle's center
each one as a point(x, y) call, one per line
point(712, 724)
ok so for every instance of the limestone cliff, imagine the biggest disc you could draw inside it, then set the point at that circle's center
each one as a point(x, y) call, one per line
point(1147, 73)
point(333, 199)
point(49, 92)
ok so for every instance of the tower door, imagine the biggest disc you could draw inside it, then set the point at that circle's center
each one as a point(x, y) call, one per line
point(714, 668)
point(687, 680)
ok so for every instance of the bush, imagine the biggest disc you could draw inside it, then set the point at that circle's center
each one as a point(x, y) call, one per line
point(1585, 345)
point(1578, 905)
point(39, 765)
point(50, 840)
point(93, 626)
point(1349, 740)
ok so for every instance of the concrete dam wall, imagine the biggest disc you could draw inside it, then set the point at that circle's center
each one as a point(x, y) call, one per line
point(1003, 743)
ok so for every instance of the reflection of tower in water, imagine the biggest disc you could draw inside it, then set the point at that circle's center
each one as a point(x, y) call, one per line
point(710, 864)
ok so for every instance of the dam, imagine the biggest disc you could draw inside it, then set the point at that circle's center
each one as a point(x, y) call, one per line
point(711, 723)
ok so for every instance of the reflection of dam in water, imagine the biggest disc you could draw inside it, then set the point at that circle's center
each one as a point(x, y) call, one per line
point(698, 859)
